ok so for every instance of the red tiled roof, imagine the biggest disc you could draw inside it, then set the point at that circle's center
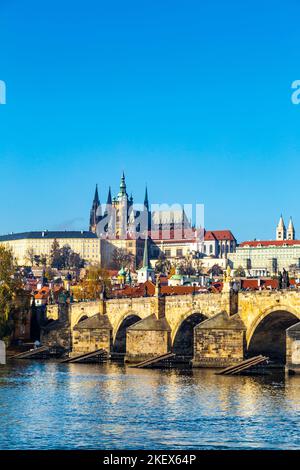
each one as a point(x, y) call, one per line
point(256, 243)
point(42, 293)
point(219, 235)
point(148, 286)
point(262, 283)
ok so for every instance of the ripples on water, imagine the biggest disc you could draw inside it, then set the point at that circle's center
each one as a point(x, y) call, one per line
point(78, 406)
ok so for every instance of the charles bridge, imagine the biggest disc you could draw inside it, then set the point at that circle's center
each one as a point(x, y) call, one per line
point(212, 329)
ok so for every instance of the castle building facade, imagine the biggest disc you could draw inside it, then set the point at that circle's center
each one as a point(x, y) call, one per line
point(269, 257)
point(28, 244)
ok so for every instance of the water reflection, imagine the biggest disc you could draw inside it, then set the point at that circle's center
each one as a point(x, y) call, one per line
point(69, 406)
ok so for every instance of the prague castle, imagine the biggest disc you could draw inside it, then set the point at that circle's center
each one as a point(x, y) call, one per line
point(122, 224)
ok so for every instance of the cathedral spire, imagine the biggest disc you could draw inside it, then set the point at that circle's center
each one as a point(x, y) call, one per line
point(96, 197)
point(95, 212)
point(109, 201)
point(146, 201)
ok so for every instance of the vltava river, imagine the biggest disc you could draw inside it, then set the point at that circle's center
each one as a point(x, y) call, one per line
point(77, 406)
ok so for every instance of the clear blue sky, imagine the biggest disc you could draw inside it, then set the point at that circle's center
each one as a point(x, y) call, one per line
point(192, 97)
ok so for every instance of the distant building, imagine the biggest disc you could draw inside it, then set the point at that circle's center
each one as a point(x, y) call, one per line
point(268, 257)
point(23, 245)
point(214, 248)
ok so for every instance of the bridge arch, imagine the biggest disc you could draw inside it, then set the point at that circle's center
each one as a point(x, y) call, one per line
point(183, 333)
point(82, 318)
point(119, 332)
point(267, 334)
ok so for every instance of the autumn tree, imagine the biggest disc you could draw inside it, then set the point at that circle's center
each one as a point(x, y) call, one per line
point(216, 270)
point(163, 265)
point(186, 267)
point(121, 258)
point(95, 282)
point(29, 256)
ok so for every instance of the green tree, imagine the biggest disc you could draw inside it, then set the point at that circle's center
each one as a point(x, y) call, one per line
point(55, 255)
point(10, 287)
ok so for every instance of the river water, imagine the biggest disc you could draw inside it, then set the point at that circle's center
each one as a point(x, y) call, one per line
point(46, 405)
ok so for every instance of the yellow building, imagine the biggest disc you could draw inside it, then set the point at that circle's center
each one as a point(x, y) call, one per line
point(28, 244)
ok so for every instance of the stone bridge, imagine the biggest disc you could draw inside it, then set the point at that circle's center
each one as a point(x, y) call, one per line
point(215, 329)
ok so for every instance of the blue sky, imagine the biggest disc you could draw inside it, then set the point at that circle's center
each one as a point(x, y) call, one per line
point(192, 97)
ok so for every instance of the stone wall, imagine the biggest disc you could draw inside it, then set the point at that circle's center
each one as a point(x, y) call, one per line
point(57, 335)
point(89, 340)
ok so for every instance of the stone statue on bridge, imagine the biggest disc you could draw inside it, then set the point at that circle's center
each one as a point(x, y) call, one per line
point(285, 279)
point(227, 275)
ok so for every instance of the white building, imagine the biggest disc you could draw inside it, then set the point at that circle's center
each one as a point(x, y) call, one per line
point(25, 245)
point(268, 257)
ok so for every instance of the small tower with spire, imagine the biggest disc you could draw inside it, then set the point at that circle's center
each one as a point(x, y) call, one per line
point(147, 209)
point(281, 230)
point(146, 273)
point(95, 213)
point(290, 234)
point(122, 193)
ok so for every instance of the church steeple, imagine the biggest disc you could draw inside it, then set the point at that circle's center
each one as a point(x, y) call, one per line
point(146, 256)
point(95, 213)
point(281, 230)
point(291, 230)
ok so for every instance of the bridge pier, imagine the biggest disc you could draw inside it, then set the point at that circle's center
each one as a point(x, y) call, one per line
point(219, 341)
point(92, 334)
point(147, 339)
point(150, 337)
point(293, 349)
